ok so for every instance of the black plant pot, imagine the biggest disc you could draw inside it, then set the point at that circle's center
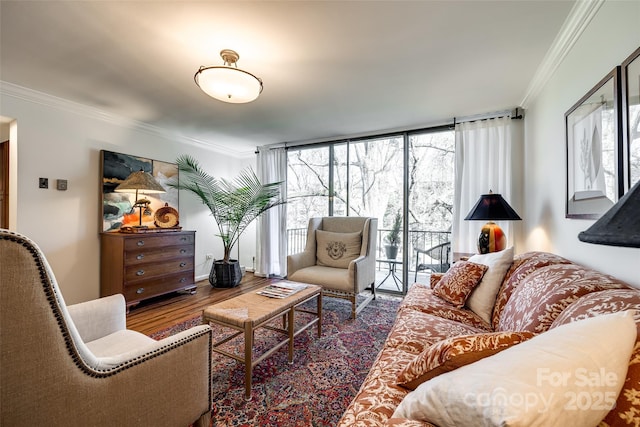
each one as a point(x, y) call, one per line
point(225, 275)
point(391, 251)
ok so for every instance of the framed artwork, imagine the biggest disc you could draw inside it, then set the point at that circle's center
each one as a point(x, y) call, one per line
point(117, 208)
point(631, 119)
point(594, 178)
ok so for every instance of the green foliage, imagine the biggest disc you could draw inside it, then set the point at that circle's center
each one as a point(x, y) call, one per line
point(233, 204)
point(393, 238)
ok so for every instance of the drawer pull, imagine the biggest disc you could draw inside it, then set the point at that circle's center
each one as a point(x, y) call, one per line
point(140, 243)
point(139, 290)
point(183, 251)
point(183, 280)
point(182, 264)
point(140, 273)
point(184, 239)
point(140, 256)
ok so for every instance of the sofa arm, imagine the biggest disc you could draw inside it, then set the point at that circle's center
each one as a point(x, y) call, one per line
point(99, 317)
point(300, 260)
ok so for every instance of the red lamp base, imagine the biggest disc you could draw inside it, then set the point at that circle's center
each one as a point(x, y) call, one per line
point(492, 238)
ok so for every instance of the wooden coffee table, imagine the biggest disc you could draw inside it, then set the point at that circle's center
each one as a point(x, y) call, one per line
point(250, 311)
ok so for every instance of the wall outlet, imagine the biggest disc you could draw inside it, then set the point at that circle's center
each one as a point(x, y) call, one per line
point(209, 256)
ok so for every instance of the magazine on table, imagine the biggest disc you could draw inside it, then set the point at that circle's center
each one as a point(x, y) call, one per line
point(281, 289)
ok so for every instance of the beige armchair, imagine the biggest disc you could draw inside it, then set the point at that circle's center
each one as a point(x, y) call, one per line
point(339, 256)
point(80, 366)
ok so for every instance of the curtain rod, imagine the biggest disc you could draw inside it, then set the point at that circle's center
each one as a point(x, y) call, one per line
point(516, 113)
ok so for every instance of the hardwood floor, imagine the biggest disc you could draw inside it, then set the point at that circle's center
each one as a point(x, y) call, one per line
point(162, 312)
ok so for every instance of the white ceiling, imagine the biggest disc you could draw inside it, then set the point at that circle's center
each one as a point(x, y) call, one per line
point(330, 68)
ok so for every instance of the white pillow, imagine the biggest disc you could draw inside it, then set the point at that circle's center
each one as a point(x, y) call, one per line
point(483, 298)
point(567, 376)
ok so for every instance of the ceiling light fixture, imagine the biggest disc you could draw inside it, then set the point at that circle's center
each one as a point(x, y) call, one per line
point(227, 82)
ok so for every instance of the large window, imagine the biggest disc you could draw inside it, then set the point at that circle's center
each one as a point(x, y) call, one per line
point(370, 177)
point(375, 178)
point(307, 185)
point(431, 186)
point(308, 191)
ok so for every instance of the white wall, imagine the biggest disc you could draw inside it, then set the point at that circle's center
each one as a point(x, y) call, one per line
point(610, 37)
point(60, 140)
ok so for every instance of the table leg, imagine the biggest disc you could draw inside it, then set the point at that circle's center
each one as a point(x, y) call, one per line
point(396, 279)
point(248, 365)
point(320, 314)
point(389, 271)
point(290, 314)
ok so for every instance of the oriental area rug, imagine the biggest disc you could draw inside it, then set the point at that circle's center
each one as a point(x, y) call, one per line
point(325, 375)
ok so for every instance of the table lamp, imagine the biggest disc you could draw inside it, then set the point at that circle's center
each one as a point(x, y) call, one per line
point(140, 181)
point(492, 207)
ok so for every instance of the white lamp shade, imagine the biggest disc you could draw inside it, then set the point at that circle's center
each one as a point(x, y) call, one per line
point(229, 84)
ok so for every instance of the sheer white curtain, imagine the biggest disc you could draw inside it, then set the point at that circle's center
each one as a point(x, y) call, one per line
point(271, 253)
point(484, 161)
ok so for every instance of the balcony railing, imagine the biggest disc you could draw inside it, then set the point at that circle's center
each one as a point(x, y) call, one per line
point(296, 240)
point(422, 239)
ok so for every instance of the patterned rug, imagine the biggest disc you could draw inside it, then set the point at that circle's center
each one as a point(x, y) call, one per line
point(325, 375)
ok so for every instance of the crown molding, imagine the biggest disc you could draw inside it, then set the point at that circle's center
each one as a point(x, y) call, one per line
point(577, 21)
point(50, 101)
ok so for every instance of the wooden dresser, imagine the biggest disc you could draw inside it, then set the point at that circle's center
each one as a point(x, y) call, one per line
point(144, 265)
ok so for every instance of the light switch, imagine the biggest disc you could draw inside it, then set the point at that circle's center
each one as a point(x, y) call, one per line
point(43, 182)
point(61, 184)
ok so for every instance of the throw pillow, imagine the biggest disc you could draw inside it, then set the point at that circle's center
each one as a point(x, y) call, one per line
point(483, 298)
point(567, 376)
point(337, 249)
point(434, 278)
point(452, 353)
point(458, 282)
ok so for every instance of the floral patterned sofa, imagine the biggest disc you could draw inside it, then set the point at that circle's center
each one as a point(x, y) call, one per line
point(538, 293)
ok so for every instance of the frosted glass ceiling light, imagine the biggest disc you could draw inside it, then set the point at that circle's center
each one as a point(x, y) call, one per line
point(227, 82)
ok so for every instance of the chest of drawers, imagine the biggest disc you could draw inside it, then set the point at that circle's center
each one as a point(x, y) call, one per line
point(146, 265)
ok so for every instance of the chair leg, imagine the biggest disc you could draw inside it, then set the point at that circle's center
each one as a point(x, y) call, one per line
point(204, 420)
point(355, 308)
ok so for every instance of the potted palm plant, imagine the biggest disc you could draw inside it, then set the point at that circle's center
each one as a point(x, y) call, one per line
point(393, 238)
point(233, 205)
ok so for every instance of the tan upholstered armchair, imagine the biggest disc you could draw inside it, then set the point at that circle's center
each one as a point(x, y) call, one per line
point(340, 257)
point(80, 366)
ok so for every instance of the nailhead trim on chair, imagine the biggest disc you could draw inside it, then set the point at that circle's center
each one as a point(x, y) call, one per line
point(71, 348)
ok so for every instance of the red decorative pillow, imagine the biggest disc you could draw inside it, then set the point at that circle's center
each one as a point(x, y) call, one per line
point(457, 283)
point(434, 278)
point(453, 353)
